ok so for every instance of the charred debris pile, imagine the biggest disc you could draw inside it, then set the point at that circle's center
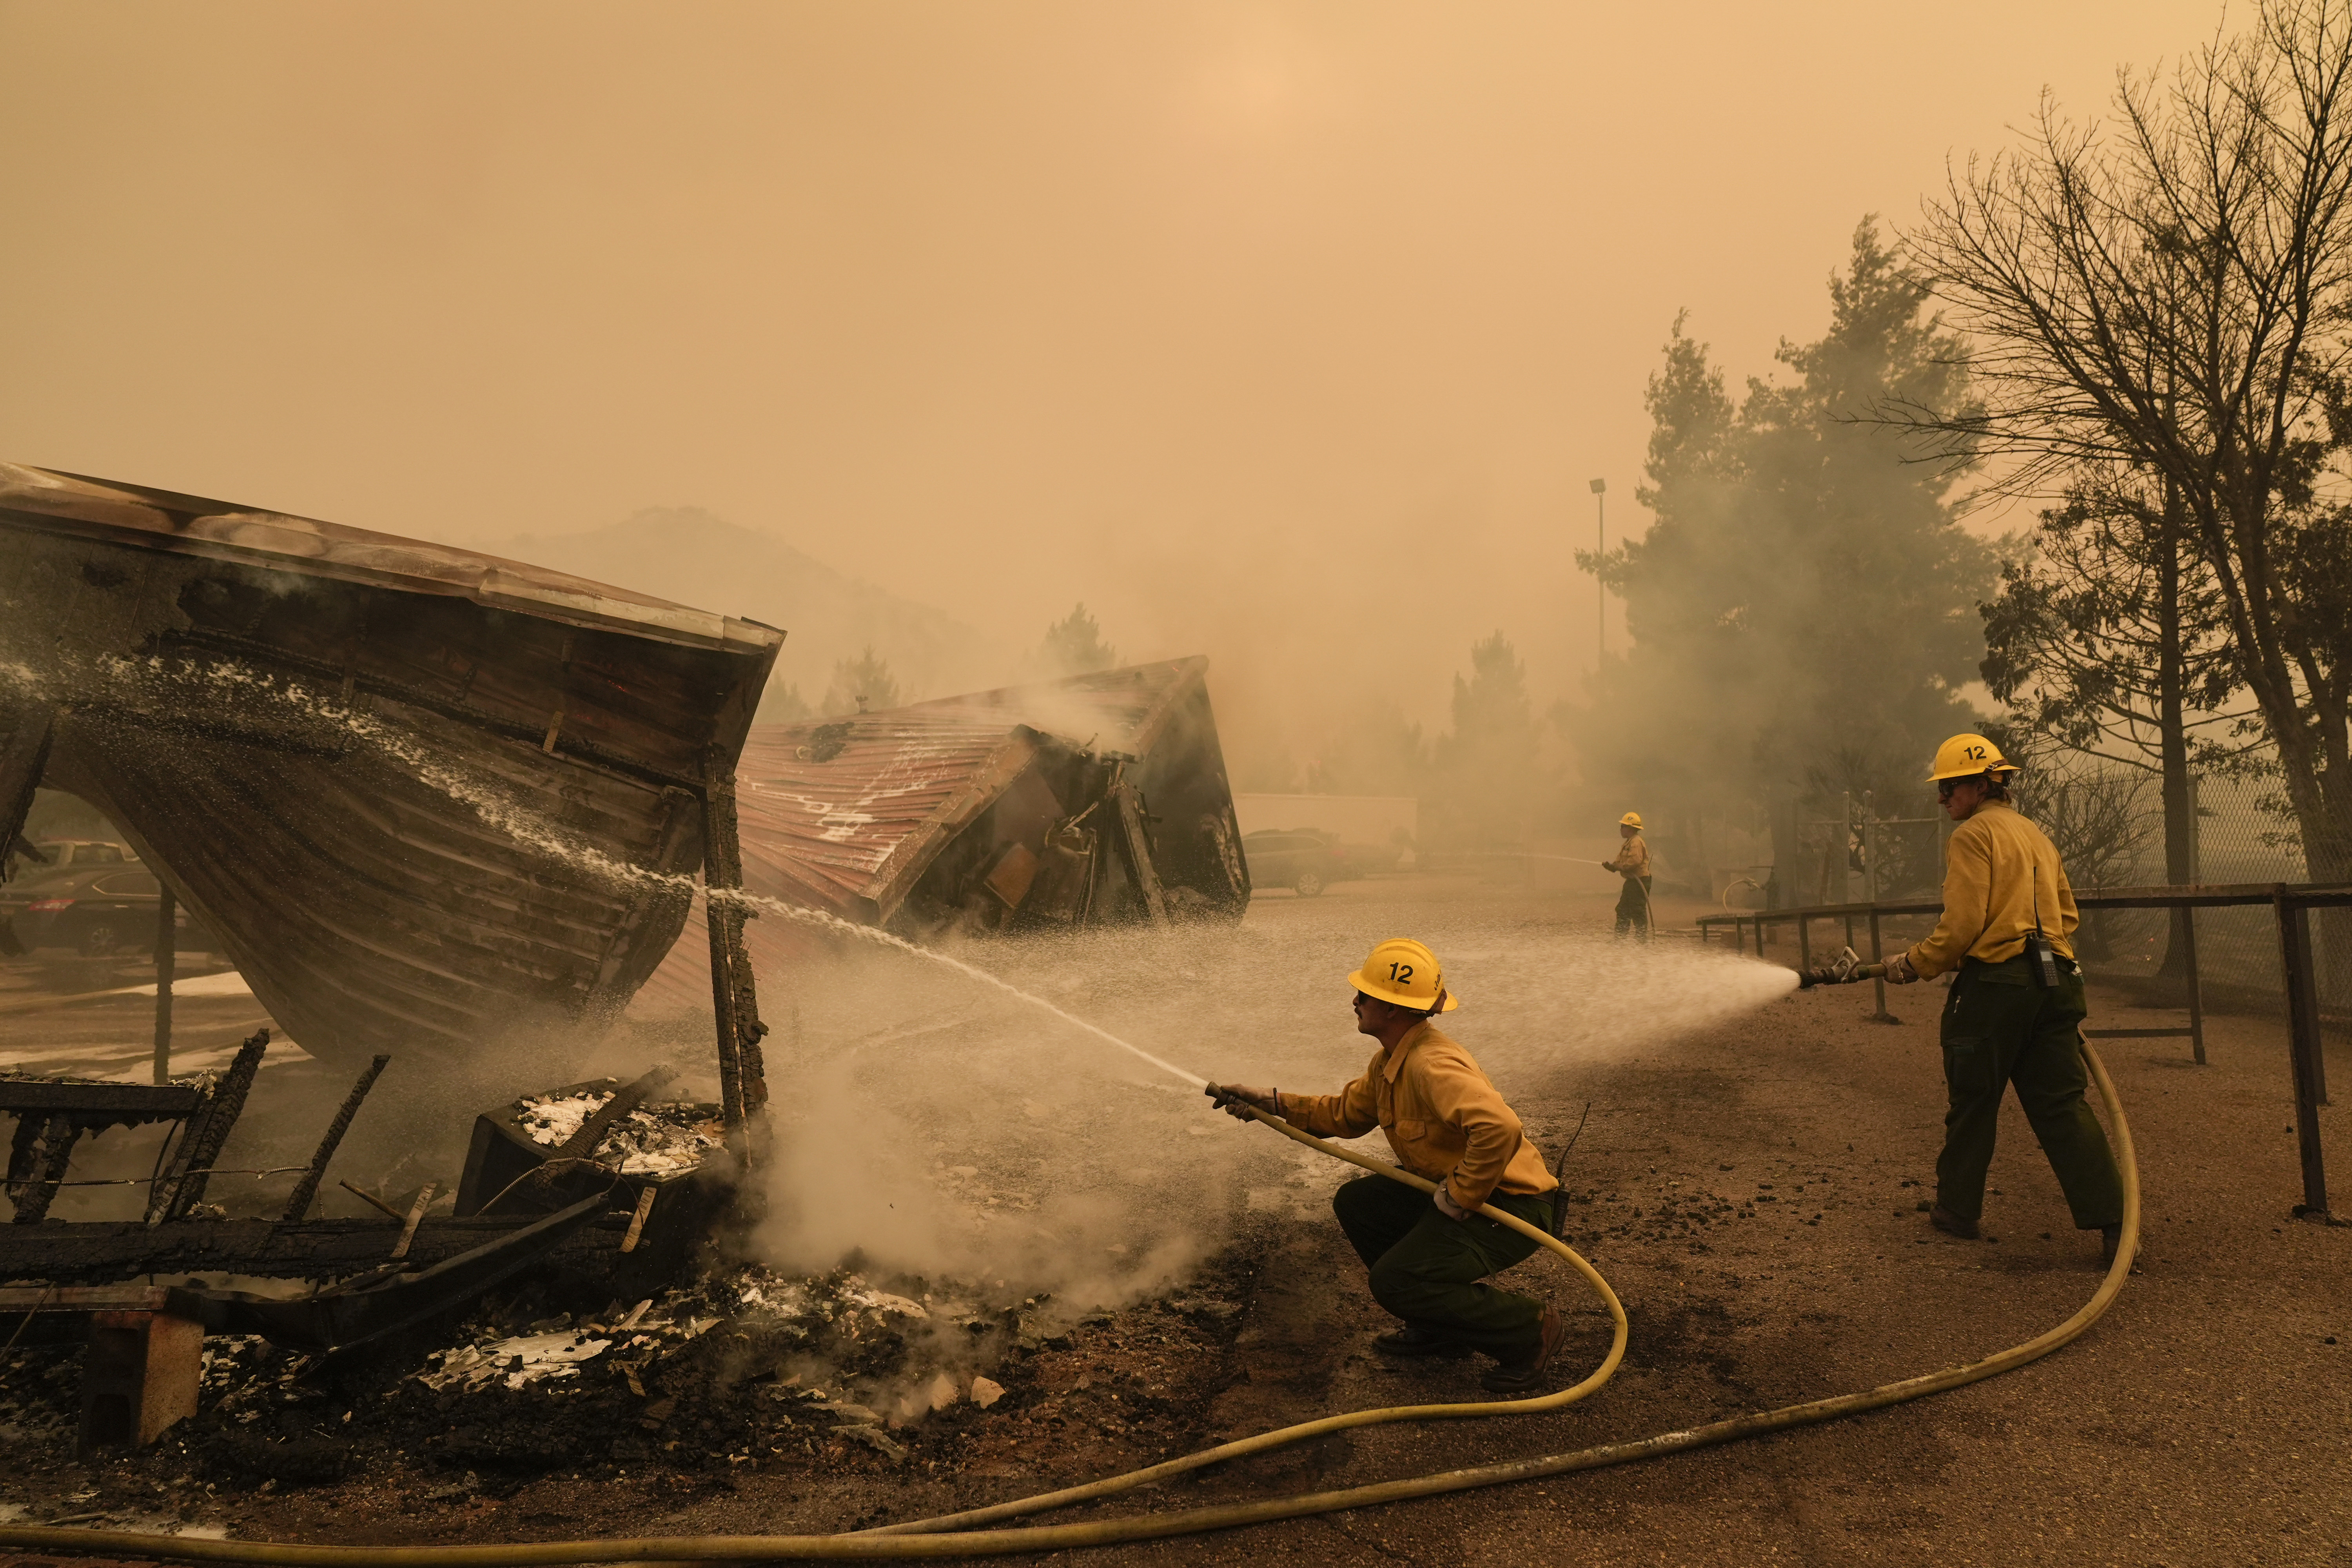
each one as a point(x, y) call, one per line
point(425, 799)
point(686, 1389)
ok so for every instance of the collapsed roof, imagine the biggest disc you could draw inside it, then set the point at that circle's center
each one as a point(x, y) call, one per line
point(1098, 799)
point(949, 811)
point(426, 799)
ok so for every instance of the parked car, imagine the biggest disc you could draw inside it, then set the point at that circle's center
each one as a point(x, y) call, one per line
point(53, 853)
point(1296, 857)
point(97, 905)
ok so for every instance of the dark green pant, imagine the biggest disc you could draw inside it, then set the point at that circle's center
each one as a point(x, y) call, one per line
point(1634, 907)
point(1428, 1269)
point(2001, 1028)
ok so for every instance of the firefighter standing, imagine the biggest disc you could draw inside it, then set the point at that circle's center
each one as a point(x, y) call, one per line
point(2010, 1018)
point(1632, 863)
point(1445, 1121)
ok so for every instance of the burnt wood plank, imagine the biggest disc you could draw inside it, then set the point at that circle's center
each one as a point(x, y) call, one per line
point(152, 1102)
point(99, 1252)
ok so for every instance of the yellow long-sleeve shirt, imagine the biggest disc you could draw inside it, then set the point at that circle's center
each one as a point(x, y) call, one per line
point(1444, 1117)
point(1995, 869)
point(1632, 858)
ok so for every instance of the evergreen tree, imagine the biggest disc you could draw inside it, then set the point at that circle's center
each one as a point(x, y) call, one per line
point(868, 677)
point(782, 703)
point(1802, 610)
point(1485, 782)
point(1072, 645)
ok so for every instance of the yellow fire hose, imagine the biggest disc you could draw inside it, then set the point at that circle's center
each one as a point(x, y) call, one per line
point(1283, 1435)
point(946, 1539)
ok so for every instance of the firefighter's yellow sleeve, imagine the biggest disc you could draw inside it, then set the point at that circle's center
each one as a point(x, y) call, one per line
point(1350, 1113)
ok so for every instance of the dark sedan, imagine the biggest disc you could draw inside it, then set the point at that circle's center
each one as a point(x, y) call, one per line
point(1296, 857)
point(97, 910)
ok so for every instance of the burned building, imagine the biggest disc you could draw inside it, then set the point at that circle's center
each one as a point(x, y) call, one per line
point(427, 799)
point(1098, 799)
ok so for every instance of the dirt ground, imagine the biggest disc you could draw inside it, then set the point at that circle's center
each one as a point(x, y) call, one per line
point(1751, 1192)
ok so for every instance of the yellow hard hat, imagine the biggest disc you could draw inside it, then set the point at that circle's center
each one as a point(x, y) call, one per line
point(1403, 971)
point(1966, 756)
point(1630, 819)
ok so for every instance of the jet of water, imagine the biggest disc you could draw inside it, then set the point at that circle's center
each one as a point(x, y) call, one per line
point(834, 922)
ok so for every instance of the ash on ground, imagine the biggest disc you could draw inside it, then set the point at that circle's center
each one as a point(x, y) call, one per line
point(745, 1369)
point(652, 1139)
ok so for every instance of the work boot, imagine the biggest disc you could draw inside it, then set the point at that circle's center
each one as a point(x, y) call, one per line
point(1526, 1377)
point(1951, 1224)
point(1412, 1339)
point(2111, 1238)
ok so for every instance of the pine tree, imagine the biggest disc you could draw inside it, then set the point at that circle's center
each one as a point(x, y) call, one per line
point(782, 703)
point(864, 683)
point(1072, 645)
point(1803, 608)
point(1486, 783)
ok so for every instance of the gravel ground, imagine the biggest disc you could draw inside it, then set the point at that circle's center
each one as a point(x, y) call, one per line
point(1751, 1191)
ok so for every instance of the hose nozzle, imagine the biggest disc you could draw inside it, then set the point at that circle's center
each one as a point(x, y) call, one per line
point(1846, 969)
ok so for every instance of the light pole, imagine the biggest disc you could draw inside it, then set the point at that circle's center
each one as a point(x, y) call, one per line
point(1600, 585)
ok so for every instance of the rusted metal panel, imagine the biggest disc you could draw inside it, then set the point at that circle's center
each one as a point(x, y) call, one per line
point(428, 799)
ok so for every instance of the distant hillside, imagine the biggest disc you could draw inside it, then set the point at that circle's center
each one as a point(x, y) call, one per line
point(686, 554)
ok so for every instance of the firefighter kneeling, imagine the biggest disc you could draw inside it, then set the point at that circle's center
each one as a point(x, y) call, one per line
point(2016, 1006)
point(1445, 1121)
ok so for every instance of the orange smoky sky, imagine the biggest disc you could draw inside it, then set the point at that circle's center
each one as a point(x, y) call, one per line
point(1288, 333)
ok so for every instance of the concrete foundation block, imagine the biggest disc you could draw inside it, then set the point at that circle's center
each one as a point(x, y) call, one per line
point(140, 1375)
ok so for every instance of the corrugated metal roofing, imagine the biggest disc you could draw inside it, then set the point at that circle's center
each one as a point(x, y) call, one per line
point(832, 827)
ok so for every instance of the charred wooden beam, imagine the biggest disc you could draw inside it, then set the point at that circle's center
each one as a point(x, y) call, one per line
point(126, 1103)
point(37, 1158)
point(99, 1251)
point(183, 1185)
point(742, 1074)
point(308, 1187)
point(329, 1321)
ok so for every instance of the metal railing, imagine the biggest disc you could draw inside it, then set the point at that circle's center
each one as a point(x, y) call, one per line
point(2291, 901)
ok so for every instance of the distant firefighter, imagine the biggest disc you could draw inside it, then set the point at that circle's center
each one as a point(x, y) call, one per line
point(1632, 863)
point(2016, 1007)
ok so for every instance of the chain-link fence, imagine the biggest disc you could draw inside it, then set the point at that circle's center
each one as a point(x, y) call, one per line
point(2239, 839)
point(2112, 833)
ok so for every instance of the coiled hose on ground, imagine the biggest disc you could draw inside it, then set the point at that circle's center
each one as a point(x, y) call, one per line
point(954, 1535)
